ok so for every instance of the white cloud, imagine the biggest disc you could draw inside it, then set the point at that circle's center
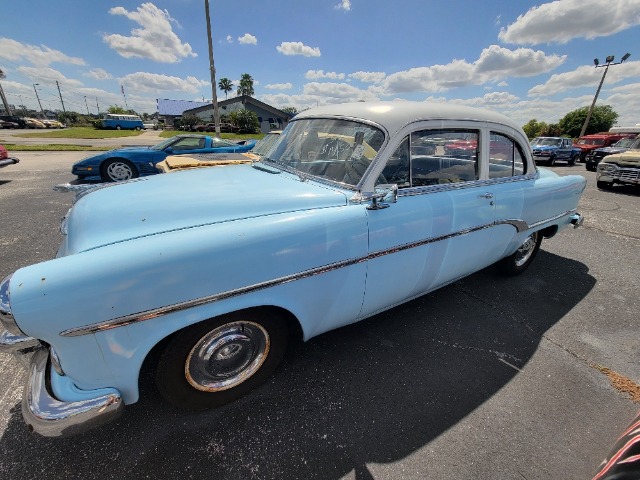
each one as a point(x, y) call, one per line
point(338, 92)
point(99, 74)
point(41, 56)
point(279, 86)
point(319, 74)
point(368, 77)
point(229, 39)
point(563, 20)
point(585, 76)
point(155, 40)
point(152, 82)
point(248, 39)
point(298, 48)
point(343, 5)
point(495, 63)
point(48, 75)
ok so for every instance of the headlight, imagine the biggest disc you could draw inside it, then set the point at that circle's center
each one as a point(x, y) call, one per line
point(6, 317)
point(607, 167)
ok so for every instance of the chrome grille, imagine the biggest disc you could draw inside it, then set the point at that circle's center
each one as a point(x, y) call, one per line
point(628, 174)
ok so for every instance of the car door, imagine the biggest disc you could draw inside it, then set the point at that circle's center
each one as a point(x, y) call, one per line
point(439, 228)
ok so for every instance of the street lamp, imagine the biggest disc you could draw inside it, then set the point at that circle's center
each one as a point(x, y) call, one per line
point(609, 62)
point(37, 97)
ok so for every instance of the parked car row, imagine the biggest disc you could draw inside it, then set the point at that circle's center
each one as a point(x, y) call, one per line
point(13, 121)
point(620, 168)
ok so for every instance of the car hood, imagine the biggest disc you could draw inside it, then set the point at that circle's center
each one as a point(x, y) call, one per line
point(630, 158)
point(611, 150)
point(544, 147)
point(188, 199)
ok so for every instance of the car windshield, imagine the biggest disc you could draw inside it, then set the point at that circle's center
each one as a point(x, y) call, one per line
point(591, 141)
point(625, 143)
point(336, 150)
point(263, 146)
point(219, 142)
point(548, 141)
point(165, 144)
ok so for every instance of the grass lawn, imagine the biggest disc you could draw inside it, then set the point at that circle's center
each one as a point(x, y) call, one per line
point(52, 148)
point(81, 132)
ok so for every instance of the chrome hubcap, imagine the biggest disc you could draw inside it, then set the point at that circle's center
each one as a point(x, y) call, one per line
point(227, 356)
point(119, 171)
point(526, 249)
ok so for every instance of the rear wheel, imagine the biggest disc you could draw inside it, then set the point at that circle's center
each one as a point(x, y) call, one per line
point(523, 256)
point(220, 360)
point(118, 127)
point(117, 170)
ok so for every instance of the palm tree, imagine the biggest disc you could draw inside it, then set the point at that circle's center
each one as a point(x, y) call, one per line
point(225, 85)
point(246, 85)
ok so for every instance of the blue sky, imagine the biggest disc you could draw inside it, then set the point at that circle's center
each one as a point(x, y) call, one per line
point(525, 59)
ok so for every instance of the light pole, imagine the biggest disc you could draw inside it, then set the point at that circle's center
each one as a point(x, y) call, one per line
point(214, 96)
point(38, 98)
point(596, 62)
point(86, 104)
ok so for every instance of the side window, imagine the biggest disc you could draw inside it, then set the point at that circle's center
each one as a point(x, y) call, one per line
point(505, 157)
point(442, 156)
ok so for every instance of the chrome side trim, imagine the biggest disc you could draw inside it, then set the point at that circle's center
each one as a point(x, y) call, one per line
point(50, 417)
point(519, 225)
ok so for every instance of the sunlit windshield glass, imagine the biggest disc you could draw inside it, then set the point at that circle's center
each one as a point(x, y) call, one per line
point(219, 142)
point(163, 145)
point(625, 143)
point(337, 150)
point(549, 141)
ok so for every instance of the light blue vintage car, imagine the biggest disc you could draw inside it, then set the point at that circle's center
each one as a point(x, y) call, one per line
point(357, 208)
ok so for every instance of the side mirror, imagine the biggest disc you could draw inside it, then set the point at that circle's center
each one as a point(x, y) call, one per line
point(383, 195)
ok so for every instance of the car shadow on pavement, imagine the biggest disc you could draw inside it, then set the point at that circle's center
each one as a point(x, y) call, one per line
point(375, 391)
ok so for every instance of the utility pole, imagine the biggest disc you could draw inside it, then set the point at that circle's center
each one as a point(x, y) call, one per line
point(214, 96)
point(4, 99)
point(60, 93)
point(97, 106)
point(86, 104)
point(37, 97)
point(596, 62)
point(24, 112)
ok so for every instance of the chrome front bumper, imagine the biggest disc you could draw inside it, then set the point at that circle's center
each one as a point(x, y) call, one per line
point(42, 412)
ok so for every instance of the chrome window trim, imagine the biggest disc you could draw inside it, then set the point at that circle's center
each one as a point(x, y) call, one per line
point(519, 225)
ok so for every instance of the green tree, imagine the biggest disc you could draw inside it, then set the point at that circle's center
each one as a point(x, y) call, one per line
point(602, 119)
point(246, 85)
point(246, 121)
point(189, 121)
point(70, 118)
point(116, 109)
point(290, 110)
point(533, 128)
point(226, 86)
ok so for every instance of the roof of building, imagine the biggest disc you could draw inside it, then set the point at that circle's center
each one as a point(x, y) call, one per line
point(177, 107)
point(244, 99)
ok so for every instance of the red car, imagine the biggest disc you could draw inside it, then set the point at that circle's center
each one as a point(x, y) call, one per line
point(589, 143)
point(5, 159)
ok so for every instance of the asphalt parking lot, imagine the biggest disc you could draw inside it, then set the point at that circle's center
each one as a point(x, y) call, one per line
point(488, 378)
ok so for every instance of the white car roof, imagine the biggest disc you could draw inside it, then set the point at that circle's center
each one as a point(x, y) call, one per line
point(396, 114)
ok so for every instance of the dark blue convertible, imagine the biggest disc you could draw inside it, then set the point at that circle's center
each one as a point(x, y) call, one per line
point(126, 163)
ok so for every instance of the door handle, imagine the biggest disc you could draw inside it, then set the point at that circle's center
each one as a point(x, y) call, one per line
point(486, 195)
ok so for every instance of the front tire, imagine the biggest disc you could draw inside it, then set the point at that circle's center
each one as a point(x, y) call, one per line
point(604, 185)
point(552, 161)
point(521, 259)
point(222, 359)
point(118, 170)
point(572, 160)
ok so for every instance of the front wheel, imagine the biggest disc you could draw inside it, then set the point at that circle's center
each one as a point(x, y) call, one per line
point(572, 160)
point(118, 170)
point(552, 161)
point(523, 256)
point(604, 185)
point(220, 360)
